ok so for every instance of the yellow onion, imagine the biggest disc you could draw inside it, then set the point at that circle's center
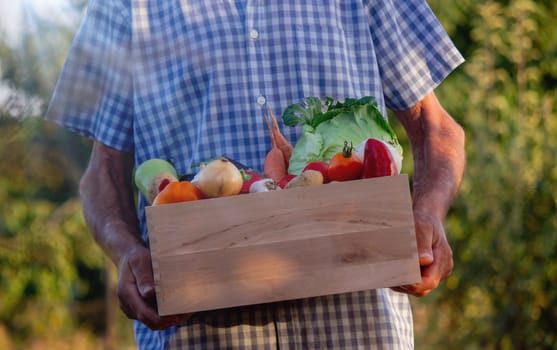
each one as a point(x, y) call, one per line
point(218, 178)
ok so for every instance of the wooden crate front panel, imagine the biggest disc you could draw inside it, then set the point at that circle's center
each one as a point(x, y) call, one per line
point(283, 245)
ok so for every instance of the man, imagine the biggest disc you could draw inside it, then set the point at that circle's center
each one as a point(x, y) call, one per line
point(190, 80)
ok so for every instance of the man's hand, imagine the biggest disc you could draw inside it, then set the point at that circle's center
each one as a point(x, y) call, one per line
point(136, 291)
point(109, 210)
point(438, 151)
point(435, 255)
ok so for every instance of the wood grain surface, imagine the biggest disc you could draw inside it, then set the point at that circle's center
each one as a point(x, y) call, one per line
point(288, 244)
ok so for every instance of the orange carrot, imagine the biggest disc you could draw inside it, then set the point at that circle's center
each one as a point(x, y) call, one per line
point(281, 142)
point(275, 166)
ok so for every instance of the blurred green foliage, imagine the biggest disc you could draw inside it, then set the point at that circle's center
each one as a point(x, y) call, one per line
point(53, 278)
point(502, 227)
point(44, 245)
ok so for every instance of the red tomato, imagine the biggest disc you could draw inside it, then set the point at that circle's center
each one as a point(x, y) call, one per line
point(345, 165)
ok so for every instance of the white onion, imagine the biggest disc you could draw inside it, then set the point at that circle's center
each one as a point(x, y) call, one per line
point(218, 178)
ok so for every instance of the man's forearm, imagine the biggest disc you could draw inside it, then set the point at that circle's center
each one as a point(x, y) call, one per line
point(437, 143)
point(107, 200)
point(438, 149)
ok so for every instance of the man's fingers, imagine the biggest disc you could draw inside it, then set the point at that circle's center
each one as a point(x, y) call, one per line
point(133, 304)
point(432, 274)
point(136, 292)
point(137, 308)
point(140, 265)
point(430, 281)
point(424, 236)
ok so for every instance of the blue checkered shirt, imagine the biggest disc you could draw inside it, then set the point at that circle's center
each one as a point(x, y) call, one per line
point(189, 80)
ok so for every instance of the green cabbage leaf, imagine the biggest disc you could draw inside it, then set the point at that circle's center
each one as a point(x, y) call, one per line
point(326, 125)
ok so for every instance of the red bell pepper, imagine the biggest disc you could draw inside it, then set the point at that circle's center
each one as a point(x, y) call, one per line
point(378, 160)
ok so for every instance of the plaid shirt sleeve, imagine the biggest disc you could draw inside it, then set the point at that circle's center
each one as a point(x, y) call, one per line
point(93, 95)
point(414, 53)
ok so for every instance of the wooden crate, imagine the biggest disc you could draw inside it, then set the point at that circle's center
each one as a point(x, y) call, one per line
point(289, 244)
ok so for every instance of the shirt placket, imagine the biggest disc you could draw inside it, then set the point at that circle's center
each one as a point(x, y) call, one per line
point(257, 53)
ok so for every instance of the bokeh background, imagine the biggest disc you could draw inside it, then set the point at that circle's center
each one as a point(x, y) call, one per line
point(57, 288)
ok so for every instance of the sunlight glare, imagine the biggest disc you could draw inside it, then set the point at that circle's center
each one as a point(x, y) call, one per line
point(20, 16)
point(29, 17)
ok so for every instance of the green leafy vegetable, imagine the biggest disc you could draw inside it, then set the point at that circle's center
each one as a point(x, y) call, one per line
point(326, 125)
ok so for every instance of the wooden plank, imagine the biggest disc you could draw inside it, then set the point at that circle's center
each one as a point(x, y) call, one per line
point(282, 245)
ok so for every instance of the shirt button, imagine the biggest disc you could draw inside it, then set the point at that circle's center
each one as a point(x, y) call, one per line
point(261, 100)
point(253, 34)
